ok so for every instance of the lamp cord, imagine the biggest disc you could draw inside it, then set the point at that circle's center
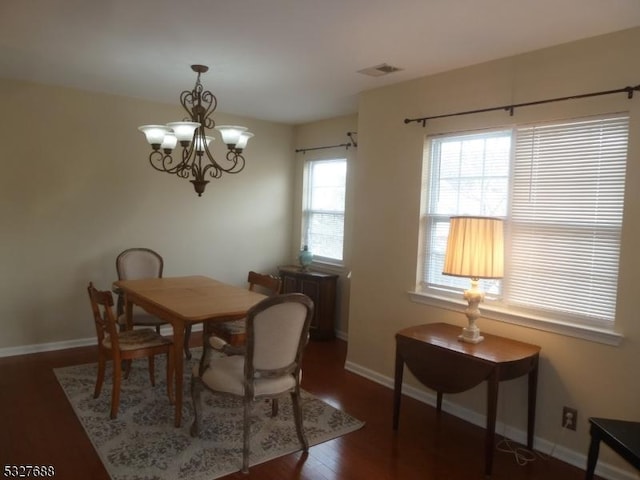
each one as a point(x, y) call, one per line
point(523, 455)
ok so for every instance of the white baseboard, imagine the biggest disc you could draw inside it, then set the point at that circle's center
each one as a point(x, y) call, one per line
point(81, 342)
point(577, 459)
point(46, 347)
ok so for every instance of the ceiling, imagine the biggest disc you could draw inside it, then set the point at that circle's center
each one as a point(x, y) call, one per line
point(290, 61)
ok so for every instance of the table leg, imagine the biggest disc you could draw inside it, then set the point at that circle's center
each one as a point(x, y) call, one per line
point(128, 309)
point(492, 409)
point(397, 389)
point(178, 339)
point(439, 401)
point(594, 449)
point(531, 412)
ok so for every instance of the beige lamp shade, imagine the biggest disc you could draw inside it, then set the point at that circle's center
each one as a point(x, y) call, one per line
point(475, 248)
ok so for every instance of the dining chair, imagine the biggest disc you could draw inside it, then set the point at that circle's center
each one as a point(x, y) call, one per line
point(234, 332)
point(134, 264)
point(119, 346)
point(269, 365)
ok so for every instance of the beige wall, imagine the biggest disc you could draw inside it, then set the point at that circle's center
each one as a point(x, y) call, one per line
point(319, 134)
point(597, 379)
point(76, 188)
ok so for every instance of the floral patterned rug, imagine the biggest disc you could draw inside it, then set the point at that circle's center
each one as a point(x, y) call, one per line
point(143, 444)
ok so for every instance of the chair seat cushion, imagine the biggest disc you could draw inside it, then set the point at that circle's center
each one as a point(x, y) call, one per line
point(233, 327)
point(226, 374)
point(140, 338)
point(141, 317)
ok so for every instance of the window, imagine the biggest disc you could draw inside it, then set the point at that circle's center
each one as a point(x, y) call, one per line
point(323, 209)
point(560, 188)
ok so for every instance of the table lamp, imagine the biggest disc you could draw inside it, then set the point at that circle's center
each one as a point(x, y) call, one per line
point(475, 249)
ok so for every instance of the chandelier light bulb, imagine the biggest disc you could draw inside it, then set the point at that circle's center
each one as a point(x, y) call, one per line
point(183, 130)
point(169, 142)
point(155, 134)
point(231, 133)
point(242, 141)
point(199, 144)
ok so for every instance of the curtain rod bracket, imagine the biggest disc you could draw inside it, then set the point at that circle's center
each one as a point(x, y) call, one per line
point(354, 141)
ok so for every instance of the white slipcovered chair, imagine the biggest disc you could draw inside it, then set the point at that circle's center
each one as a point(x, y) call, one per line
point(268, 366)
point(234, 332)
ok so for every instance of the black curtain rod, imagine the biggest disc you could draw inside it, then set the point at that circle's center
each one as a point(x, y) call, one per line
point(509, 108)
point(353, 143)
point(305, 150)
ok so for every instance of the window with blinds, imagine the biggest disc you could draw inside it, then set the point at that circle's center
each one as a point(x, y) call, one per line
point(323, 209)
point(560, 188)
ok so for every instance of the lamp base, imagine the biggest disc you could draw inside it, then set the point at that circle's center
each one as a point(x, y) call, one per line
point(470, 337)
point(471, 333)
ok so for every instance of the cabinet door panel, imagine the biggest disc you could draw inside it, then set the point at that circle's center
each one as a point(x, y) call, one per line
point(290, 284)
point(321, 288)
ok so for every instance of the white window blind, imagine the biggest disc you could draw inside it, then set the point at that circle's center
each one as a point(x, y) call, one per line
point(566, 216)
point(323, 210)
point(560, 188)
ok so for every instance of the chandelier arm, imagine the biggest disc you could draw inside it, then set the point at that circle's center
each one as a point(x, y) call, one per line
point(196, 167)
point(213, 168)
point(211, 103)
point(237, 161)
point(162, 162)
point(188, 158)
point(187, 100)
point(157, 157)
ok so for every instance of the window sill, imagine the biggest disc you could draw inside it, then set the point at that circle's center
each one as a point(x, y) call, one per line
point(594, 334)
point(328, 267)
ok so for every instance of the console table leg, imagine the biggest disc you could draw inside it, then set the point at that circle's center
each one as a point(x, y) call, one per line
point(492, 409)
point(439, 401)
point(531, 412)
point(397, 389)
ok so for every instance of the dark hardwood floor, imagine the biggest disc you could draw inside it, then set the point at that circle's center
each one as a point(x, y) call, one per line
point(38, 427)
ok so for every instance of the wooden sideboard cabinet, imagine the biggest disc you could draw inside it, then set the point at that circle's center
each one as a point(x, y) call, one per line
point(321, 288)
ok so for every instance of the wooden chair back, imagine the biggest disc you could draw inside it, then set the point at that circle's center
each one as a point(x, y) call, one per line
point(104, 319)
point(263, 283)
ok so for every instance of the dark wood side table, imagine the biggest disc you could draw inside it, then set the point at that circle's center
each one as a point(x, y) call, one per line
point(321, 288)
point(621, 436)
point(441, 362)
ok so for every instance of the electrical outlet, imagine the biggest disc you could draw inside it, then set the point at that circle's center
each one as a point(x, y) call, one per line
point(569, 418)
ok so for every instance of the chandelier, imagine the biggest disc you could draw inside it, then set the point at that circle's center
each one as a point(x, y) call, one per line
point(197, 160)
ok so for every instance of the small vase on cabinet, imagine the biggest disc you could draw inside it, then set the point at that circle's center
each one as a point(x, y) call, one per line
point(305, 258)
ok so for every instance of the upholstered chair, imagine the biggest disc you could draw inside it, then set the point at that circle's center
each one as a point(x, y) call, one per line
point(234, 332)
point(268, 366)
point(134, 264)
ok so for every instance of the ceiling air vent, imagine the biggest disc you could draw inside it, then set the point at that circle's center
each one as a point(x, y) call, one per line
point(379, 70)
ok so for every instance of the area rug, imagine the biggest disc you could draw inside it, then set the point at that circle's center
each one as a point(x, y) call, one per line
point(143, 444)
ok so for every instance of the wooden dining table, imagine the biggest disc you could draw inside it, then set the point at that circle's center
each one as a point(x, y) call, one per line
point(181, 301)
